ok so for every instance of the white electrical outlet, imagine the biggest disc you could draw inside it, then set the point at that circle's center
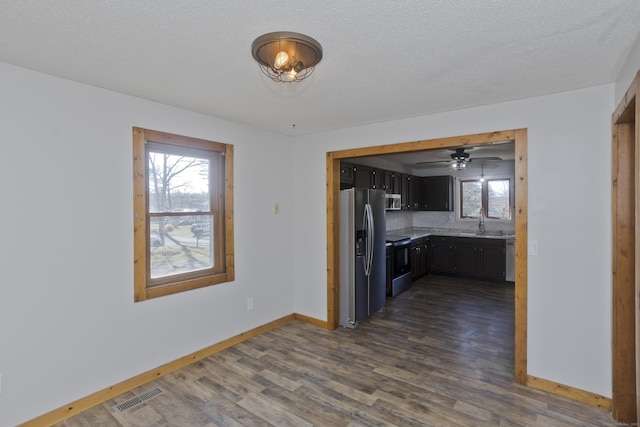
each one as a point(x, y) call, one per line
point(250, 303)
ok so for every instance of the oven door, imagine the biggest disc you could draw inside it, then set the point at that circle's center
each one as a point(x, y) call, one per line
point(401, 257)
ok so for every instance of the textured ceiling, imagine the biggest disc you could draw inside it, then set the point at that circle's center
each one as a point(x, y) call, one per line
point(383, 60)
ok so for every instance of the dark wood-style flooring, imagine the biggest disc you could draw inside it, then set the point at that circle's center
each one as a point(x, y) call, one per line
point(441, 354)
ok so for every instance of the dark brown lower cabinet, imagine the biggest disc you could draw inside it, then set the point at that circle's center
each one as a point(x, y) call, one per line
point(492, 260)
point(466, 256)
point(419, 257)
point(469, 256)
point(442, 254)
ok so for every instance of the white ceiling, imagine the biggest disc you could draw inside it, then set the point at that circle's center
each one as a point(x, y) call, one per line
point(383, 60)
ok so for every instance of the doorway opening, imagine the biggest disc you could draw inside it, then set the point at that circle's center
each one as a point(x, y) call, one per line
point(519, 137)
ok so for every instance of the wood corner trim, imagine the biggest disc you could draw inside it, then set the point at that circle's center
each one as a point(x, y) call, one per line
point(573, 393)
point(311, 320)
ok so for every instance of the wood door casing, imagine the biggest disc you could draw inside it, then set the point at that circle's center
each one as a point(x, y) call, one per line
point(519, 136)
point(625, 313)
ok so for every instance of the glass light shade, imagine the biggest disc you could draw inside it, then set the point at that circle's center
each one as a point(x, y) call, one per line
point(289, 76)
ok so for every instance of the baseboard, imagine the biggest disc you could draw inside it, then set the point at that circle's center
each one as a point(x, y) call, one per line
point(587, 397)
point(311, 320)
point(109, 393)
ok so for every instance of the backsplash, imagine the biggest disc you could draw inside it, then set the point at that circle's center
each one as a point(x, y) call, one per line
point(397, 220)
point(434, 220)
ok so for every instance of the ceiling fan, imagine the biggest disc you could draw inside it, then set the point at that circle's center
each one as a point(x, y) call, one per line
point(460, 158)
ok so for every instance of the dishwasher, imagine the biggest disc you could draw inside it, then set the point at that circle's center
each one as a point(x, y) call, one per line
point(510, 268)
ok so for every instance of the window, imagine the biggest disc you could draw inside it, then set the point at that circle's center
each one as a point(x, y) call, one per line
point(183, 221)
point(489, 199)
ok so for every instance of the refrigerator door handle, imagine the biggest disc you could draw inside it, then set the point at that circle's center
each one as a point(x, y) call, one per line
point(368, 217)
point(371, 237)
point(365, 227)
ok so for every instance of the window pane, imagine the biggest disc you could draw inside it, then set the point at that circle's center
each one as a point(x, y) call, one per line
point(180, 249)
point(178, 183)
point(471, 198)
point(498, 203)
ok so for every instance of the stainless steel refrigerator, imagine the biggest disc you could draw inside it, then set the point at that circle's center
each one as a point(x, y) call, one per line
point(362, 254)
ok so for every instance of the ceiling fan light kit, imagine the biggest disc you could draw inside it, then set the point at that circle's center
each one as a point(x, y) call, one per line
point(460, 159)
point(286, 56)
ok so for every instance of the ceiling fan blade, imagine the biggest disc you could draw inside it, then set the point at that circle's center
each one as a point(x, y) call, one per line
point(487, 158)
point(433, 161)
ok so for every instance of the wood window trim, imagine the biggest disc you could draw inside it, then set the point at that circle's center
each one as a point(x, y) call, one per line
point(484, 199)
point(142, 290)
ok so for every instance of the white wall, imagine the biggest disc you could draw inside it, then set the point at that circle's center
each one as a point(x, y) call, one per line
point(569, 216)
point(68, 323)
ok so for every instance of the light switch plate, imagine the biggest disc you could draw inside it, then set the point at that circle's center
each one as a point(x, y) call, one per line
point(533, 247)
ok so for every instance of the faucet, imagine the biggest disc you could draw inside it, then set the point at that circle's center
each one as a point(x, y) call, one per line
point(481, 222)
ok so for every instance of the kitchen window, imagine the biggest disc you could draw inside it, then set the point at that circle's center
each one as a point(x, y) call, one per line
point(489, 199)
point(183, 220)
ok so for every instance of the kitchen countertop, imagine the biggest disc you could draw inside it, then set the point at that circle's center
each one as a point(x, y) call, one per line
point(418, 232)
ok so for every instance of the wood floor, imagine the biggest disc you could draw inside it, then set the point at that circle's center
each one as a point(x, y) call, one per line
point(441, 354)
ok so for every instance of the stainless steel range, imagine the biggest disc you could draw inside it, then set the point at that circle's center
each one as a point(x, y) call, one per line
point(401, 263)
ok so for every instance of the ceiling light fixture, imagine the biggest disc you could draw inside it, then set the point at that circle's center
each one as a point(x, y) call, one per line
point(286, 56)
point(459, 165)
point(461, 159)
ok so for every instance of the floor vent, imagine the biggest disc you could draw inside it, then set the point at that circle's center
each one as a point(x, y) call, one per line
point(138, 400)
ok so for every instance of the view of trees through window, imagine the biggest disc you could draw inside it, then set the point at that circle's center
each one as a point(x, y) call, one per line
point(181, 223)
point(471, 204)
point(488, 198)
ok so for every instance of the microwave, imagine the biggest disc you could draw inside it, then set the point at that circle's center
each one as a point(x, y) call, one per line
point(392, 202)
